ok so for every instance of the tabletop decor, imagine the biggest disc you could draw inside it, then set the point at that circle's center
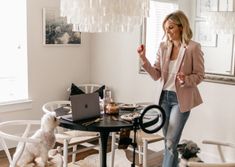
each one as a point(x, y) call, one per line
point(112, 108)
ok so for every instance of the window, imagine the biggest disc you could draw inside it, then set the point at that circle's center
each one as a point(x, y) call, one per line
point(153, 26)
point(13, 52)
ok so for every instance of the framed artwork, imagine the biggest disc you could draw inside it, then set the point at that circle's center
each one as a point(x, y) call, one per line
point(205, 6)
point(203, 34)
point(226, 5)
point(56, 30)
point(219, 49)
point(219, 61)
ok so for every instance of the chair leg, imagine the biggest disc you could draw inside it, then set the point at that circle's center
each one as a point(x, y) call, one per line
point(113, 148)
point(145, 152)
point(140, 153)
point(100, 152)
point(65, 153)
point(74, 154)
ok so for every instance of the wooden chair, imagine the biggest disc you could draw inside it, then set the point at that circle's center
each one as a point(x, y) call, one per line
point(154, 113)
point(26, 126)
point(73, 138)
point(143, 142)
point(223, 162)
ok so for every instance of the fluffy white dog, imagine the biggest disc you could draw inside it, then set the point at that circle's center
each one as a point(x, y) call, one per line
point(40, 150)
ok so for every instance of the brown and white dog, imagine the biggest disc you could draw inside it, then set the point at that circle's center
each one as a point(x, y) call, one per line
point(40, 150)
point(188, 151)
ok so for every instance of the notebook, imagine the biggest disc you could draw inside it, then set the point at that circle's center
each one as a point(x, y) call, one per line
point(84, 106)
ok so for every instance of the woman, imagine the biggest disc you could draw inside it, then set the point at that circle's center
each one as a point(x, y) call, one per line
point(180, 68)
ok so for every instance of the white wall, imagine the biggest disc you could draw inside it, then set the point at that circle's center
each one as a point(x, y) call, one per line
point(114, 62)
point(51, 68)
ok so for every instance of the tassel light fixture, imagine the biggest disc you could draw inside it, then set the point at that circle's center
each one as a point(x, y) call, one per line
point(104, 15)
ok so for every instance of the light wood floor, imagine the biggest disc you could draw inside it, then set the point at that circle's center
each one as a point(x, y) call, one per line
point(154, 158)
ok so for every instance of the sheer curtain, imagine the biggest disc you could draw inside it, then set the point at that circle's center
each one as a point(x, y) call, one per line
point(13, 52)
point(154, 31)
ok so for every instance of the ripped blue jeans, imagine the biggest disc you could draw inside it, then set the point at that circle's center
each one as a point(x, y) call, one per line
point(173, 127)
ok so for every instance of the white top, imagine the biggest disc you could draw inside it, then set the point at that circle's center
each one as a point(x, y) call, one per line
point(172, 71)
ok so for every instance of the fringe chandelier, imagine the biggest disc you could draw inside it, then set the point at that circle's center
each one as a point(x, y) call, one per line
point(104, 15)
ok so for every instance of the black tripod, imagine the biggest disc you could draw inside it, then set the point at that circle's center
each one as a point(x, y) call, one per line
point(134, 144)
point(155, 116)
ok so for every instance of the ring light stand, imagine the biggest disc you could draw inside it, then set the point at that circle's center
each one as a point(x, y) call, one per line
point(151, 120)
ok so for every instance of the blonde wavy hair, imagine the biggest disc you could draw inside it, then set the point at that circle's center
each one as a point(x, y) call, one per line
point(180, 19)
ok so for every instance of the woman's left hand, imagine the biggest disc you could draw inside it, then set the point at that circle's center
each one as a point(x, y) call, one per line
point(180, 77)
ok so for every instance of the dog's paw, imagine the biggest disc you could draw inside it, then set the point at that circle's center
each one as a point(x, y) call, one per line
point(40, 162)
point(49, 162)
point(57, 161)
point(59, 149)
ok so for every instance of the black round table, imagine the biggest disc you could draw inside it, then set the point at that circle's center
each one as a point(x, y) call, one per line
point(104, 127)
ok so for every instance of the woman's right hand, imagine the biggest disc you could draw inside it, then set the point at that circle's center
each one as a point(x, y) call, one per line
point(141, 52)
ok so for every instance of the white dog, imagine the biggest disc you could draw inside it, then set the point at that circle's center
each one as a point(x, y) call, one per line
point(40, 150)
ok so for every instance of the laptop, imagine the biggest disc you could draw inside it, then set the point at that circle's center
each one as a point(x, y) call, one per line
point(84, 106)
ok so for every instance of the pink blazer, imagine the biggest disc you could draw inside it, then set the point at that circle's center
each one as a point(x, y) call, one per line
point(192, 65)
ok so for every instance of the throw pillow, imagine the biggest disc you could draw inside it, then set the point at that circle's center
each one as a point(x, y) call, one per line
point(101, 91)
point(75, 90)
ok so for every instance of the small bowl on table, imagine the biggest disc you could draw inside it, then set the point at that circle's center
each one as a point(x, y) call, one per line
point(112, 108)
